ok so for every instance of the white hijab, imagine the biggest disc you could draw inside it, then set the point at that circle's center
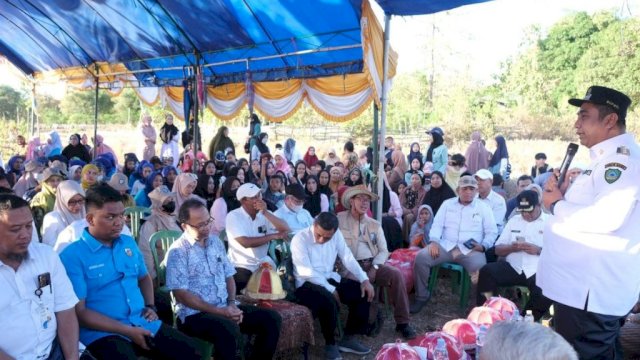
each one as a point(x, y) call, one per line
point(66, 190)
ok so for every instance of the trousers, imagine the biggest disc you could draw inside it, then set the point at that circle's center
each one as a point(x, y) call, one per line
point(391, 278)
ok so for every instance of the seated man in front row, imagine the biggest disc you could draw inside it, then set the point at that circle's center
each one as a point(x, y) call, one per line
point(521, 243)
point(200, 277)
point(250, 228)
point(292, 212)
point(38, 319)
point(314, 252)
point(462, 230)
point(116, 309)
point(365, 239)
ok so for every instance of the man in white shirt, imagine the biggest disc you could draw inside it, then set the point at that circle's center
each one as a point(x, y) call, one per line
point(37, 299)
point(521, 244)
point(491, 198)
point(462, 230)
point(314, 251)
point(590, 263)
point(292, 212)
point(250, 228)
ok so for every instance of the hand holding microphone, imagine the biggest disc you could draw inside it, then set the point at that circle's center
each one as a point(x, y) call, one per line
point(553, 192)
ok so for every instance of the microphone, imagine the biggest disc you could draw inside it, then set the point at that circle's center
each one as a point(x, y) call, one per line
point(572, 149)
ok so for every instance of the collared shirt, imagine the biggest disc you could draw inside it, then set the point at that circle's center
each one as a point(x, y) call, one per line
point(296, 220)
point(239, 223)
point(498, 207)
point(28, 322)
point(107, 279)
point(365, 238)
point(202, 271)
point(455, 223)
point(591, 244)
point(314, 262)
point(73, 232)
point(532, 232)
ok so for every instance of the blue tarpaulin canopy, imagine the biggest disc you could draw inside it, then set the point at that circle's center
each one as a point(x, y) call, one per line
point(421, 7)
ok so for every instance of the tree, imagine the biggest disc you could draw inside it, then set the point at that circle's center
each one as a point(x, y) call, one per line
point(11, 103)
point(78, 106)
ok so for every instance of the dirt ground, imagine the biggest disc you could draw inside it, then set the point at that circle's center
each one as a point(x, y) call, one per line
point(442, 307)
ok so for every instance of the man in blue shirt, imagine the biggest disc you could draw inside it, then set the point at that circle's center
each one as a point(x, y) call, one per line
point(116, 308)
point(200, 277)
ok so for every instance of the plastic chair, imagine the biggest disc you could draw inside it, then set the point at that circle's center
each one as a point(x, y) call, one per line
point(463, 282)
point(136, 213)
point(279, 245)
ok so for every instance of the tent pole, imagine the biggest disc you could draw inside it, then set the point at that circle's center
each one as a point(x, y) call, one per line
point(383, 114)
point(95, 114)
point(196, 108)
point(376, 153)
point(32, 120)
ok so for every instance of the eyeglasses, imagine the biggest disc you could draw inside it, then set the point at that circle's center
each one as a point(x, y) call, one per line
point(202, 226)
point(72, 203)
point(363, 198)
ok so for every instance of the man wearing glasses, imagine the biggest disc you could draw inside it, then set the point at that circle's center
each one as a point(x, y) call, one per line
point(116, 310)
point(200, 277)
point(521, 244)
point(249, 230)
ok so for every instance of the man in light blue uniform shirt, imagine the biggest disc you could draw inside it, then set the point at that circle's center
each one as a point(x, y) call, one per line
point(292, 212)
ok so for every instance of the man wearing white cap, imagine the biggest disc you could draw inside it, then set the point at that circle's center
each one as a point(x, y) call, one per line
point(462, 230)
point(491, 198)
point(250, 228)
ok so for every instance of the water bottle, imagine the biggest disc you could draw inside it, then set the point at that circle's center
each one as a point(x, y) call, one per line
point(529, 317)
point(482, 333)
point(440, 352)
point(516, 316)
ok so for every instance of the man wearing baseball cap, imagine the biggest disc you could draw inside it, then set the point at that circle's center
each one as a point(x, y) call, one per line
point(486, 194)
point(521, 244)
point(590, 261)
point(250, 228)
point(462, 230)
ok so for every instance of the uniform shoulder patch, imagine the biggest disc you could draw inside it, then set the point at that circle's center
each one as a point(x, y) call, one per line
point(615, 164)
point(612, 175)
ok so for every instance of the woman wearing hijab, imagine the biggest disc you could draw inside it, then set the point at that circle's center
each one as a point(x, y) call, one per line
point(28, 180)
point(84, 140)
point(419, 235)
point(391, 217)
point(43, 202)
point(310, 157)
point(102, 148)
point(477, 155)
point(14, 169)
point(153, 181)
point(163, 205)
point(169, 173)
point(89, 176)
point(399, 168)
point(137, 179)
point(170, 135)
point(415, 167)
point(410, 199)
point(184, 186)
point(290, 151)
point(255, 128)
point(68, 207)
point(354, 178)
point(281, 163)
point(130, 163)
point(223, 205)
point(414, 153)
point(437, 153)
point(54, 145)
point(316, 202)
point(331, 159)
point(499, 163)
point(323, 186)
point(34, 149)
point(221, 142)
point(439, 192)
point(75, 173)
point(260, 146)
point(207, 188)
point(76, 150)
point(148, 147)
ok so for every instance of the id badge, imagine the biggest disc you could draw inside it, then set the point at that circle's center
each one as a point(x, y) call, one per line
point(45, 314)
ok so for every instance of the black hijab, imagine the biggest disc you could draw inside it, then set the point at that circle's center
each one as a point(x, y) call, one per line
point(262, 147)
point(167, 132)
point(230, 196)
point(312, 205)
point(437, 141)
point(436, 196)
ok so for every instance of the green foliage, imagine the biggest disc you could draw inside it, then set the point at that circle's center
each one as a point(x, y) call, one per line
point(78, 107)
point(11, 103)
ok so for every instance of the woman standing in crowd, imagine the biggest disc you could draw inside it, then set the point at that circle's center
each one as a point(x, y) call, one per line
point(163, 205)
point(437, 153)
point(410, 199)
point(255, 128)
point(76, 150)
point(170, 135)
point(223, 205)
point(260, 146)
point(221, 142)
point(148, 132)
point(68, 207)
point(89, 176)
point(499, 163)
point(317, 202)
point(153, 181)
point(310, 157)
point(439, 192)
point(399, 168)
point(477, 155)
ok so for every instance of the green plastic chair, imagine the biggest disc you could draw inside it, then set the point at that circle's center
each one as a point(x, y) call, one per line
point(166, 238)
point(136, 213)
point(463, 283)
point(279, 245)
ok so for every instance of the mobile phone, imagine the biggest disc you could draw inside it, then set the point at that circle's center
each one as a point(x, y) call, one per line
point(469, 244)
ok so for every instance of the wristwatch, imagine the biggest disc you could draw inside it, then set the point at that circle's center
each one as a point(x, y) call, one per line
point(233, 302)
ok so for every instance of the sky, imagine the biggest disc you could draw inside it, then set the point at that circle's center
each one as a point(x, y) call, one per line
point(473, 40)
